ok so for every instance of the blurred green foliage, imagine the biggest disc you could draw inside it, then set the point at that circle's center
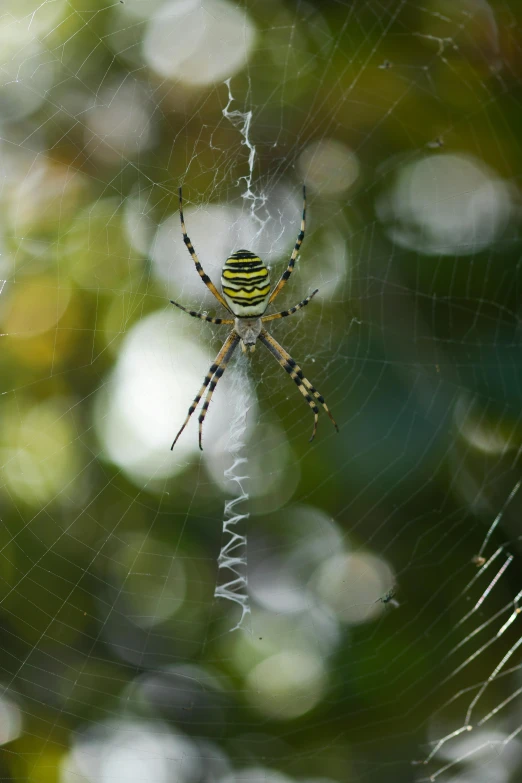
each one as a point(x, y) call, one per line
point(408, 339)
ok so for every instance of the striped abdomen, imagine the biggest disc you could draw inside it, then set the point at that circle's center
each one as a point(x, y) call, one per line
point(245, 281)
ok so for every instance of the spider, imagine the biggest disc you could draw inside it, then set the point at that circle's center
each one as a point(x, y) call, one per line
point(245, 282)
point(389, 597)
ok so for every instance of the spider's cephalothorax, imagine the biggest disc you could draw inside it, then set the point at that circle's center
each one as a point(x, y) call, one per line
point(246, 295)
point(245, 282)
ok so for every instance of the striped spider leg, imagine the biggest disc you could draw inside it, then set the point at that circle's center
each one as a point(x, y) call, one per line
point(292, 310)
point(217, 368)
point(202, 316)
point(299, 241)
point(190, 247)
point(232, 340)
point(296, 374)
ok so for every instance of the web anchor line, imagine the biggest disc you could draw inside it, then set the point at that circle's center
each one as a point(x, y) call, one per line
point(472, 722)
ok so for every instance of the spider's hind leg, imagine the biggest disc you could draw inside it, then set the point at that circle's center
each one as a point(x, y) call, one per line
point(214, 382)
point(296, 374)
point(223, 356)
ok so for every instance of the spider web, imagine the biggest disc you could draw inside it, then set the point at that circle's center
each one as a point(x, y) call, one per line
point(373, 631)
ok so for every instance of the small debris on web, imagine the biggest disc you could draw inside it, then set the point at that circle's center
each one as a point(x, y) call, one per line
point(436, 144)
point(389, 597)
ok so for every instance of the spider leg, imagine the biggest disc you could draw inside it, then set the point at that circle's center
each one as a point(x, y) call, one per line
point(190, 247)
point(201, 316)
point(232, 339)
point(214, 382)
point(296, 374)
point(288, 271)
point(292, 310)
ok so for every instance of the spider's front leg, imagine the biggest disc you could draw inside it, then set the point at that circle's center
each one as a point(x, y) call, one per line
point(288, 271)
point(214, 382)
point(190, 247)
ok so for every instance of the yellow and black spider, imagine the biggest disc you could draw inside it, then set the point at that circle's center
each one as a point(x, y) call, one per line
point(245, 282)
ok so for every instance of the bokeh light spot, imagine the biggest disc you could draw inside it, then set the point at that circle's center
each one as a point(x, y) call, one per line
point(10, 720)
point(328, 166)
point(39, 458)
point(140, 410)
point(446, 204)
point(351, 585)
point(287, 685)
point(213, 40)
